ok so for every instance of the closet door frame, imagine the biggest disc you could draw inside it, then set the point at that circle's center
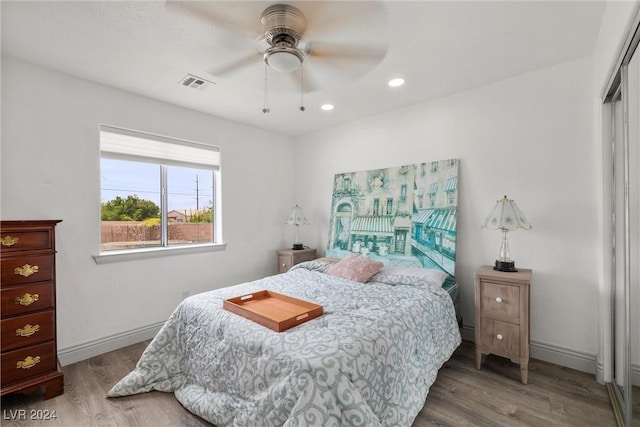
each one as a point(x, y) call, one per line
point(617, 223)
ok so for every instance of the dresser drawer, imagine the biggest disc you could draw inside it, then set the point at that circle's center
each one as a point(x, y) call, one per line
point(24, 299)
point(30, 329)
point(28, 362)
point(501, 301)
point(15, 241)
point(27, 269)
point(500, 337)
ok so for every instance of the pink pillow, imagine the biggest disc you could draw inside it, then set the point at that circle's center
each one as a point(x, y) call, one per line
point(356, 268)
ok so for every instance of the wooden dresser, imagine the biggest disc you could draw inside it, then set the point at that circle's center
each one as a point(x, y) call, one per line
point(29, 349)
point(287, 258)
point(502, 316)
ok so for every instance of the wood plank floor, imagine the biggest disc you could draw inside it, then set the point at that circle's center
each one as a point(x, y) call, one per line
point(461, 396)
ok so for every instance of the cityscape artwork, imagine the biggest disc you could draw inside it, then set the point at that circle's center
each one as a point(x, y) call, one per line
point(402, 216)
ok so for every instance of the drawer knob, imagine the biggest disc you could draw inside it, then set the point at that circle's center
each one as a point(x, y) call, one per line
point(27, 330)
point(9, 240)
point(26, 270)
point(498, 299)
point(499, 336)
point(27, 363)
point(27, 299)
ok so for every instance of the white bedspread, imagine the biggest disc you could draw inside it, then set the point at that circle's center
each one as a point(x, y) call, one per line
point(369, 360)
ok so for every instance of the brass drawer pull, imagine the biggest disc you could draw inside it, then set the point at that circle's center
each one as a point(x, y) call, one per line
point(26, 270)
point(27, 363)
point(27, 330)
point(27, 299)
point(9, 241)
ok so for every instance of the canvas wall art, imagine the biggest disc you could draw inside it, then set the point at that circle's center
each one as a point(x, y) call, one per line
point(402, 216)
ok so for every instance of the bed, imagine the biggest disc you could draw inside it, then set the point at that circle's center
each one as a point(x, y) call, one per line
point(368, 360)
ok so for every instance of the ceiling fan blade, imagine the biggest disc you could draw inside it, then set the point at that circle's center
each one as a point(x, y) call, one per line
point(327, 18)
point(235, 65)
point(220, 14)
point(339, 51)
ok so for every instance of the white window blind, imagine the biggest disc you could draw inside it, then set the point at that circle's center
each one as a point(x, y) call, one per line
point(125, 144)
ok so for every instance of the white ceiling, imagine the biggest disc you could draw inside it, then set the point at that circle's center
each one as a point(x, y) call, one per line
point(440, 48)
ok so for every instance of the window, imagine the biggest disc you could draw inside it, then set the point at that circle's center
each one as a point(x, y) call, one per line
point(157, 192)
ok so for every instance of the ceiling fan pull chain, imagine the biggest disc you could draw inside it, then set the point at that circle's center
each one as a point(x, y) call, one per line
point(266, 109)
point(302, 87)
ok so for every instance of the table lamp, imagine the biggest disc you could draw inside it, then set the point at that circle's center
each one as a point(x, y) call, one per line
point(297, 218)
point(506, 216)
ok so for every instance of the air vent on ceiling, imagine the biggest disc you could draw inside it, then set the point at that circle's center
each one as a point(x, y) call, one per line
point(195, 82)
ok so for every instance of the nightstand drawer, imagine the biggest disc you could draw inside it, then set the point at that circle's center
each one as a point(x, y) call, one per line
point(27, 298)
point(500, 337)
point(284, 263)
point(30, 329)
point(28, 362)
point(26, 269)
point(498, 300)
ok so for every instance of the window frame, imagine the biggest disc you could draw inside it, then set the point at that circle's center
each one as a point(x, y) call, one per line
point(211, 153)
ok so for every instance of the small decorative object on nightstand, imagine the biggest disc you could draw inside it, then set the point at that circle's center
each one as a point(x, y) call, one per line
point(506, 216)
point(287, 258)
point(297, 218)
point(502, 316)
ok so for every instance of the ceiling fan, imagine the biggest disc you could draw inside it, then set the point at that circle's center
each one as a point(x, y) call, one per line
point(284, 38)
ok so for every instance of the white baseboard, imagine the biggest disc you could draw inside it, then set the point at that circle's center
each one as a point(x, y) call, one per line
point(88, 349)
point(552, 353)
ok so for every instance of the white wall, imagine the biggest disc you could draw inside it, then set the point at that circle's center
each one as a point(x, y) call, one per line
point(531, 138)
point(50, 170)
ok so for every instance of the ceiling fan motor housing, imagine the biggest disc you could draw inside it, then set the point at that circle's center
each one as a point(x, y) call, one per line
point(283, 24)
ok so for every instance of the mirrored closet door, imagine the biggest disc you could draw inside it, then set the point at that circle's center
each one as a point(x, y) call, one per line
point(622, 104)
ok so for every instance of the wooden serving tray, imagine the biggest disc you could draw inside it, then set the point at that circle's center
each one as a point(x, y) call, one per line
point(276, 311)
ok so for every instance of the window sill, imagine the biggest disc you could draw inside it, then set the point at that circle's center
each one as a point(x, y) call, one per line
point(148, 253)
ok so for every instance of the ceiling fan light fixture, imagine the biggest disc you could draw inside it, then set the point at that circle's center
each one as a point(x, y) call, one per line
point(283, 59)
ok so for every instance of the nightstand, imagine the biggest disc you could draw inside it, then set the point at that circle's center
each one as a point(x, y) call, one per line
point(287, 258)
point(502, 315)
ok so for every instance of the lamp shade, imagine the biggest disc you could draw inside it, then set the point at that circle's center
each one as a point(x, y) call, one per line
point(297, 217)
point(506, 215)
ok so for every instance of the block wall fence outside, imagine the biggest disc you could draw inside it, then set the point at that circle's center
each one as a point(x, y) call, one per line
point(135, 232)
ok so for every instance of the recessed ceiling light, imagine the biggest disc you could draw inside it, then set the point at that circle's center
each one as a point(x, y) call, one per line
point(327, 107)
point(396, 82)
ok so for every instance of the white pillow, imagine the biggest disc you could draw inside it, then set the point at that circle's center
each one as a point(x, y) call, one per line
point(431, 275)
